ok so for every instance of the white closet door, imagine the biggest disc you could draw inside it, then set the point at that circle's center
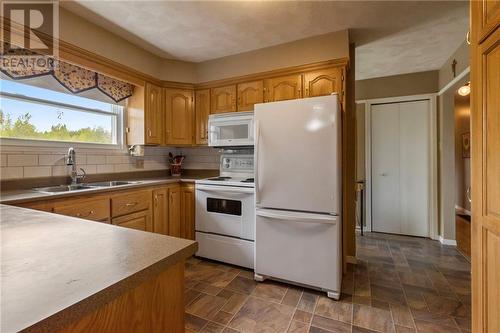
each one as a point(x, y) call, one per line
point(414, 151)
point(400, 168)
point(385, 168)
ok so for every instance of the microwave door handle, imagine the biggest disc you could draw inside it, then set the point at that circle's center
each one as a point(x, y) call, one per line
point(256, 162)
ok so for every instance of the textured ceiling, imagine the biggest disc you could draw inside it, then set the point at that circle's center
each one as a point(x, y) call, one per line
point(392, 37)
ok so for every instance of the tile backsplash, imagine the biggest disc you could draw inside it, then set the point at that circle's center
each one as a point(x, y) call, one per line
point(33, 162)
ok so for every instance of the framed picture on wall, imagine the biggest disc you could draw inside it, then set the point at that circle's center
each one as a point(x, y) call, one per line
point(466, 145)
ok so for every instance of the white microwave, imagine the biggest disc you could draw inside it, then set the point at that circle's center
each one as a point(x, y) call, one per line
point(233, 129)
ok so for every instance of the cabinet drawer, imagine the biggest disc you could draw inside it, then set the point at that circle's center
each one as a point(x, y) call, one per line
point(95, 210)
point(130, 203)
point(139, 221)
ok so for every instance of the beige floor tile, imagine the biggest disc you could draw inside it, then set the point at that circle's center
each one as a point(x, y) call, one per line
point(194, 323)
point(234, 303)
point(212, 328)
point(270, 290)
point(206, 306)
point(330, 324)
point(292, 297)
point(258, 315)
point(302, 316)
point(307, 302)
point(372, 318)
point(329, 308)
point(298, 327)
point(243, 285)
point(402, 316)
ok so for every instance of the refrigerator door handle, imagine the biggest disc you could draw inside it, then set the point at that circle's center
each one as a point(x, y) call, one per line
point(297, 217)
point(256, 158)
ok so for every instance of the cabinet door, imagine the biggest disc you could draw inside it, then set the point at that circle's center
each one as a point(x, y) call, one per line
point(487, 17)
point(202, 110)
point(250, 93)
point(187, 211)
point(223, 99)
point(174, 212)
point(283, 88)
point(160, 211)
point(179, 116)
point(323, 82)
point(153, 114)
point(485, 160)
point(140, 221)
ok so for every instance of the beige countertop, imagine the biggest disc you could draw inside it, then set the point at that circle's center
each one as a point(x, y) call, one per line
point(27, 195)
point(55, 269)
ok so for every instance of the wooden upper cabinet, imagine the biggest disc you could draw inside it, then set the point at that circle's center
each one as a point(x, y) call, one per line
point(223, 99)
point(487, 17)
point(323, 82)
point(179, 116)
point(153, 111)
point(202, 110)
point(250, 93)
point(284, 88)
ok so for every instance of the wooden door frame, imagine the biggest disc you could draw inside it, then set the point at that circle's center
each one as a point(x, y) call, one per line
point(432, 167)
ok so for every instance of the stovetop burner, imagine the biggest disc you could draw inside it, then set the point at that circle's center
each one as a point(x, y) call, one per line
point(248, 180)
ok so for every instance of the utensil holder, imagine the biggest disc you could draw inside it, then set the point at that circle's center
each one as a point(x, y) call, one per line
point(175, 169)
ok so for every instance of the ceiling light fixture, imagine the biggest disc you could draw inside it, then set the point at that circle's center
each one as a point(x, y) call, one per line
point(464, 90)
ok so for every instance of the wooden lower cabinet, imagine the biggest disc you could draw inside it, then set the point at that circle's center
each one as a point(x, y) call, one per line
point(174, 212)
point(90, 209)
point(167, 209)
point(160, 211)
point(156, 305)
point(187, 211)
point(44, 206)
point(140, 221)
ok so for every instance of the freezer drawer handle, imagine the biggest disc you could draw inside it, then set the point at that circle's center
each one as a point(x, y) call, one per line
point(295, 218)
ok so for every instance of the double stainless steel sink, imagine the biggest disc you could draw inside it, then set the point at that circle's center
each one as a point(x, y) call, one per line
point(82, 187)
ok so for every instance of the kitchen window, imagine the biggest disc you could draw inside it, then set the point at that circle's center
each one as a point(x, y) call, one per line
point(31, 115)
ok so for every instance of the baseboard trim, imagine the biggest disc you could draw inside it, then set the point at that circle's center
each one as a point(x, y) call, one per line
point(445, 241)
point(351, 260)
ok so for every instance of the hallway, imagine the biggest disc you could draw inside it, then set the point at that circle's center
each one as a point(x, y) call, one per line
point(401, 284)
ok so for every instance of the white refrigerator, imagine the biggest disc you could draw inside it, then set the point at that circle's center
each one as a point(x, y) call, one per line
point(298, 192)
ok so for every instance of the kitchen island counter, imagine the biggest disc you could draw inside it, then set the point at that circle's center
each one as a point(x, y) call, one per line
point(59, 271)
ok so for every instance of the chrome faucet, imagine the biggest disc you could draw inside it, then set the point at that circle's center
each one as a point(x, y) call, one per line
point(71, 160)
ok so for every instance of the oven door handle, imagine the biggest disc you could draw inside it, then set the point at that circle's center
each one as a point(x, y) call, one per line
point(224, 189)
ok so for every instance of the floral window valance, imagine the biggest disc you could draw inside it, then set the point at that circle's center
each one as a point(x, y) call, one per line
point(21, 64)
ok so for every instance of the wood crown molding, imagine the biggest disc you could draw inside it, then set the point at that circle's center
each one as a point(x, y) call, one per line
point(341, 62)
point(92, 61)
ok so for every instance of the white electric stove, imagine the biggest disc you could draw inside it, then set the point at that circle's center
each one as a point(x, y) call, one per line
point(225, 212)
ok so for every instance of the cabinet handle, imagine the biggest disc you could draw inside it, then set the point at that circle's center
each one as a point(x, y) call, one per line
point(307, 92)
point(90, 212)
point(131, 204)
point(156, 200)
point(149, 132)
